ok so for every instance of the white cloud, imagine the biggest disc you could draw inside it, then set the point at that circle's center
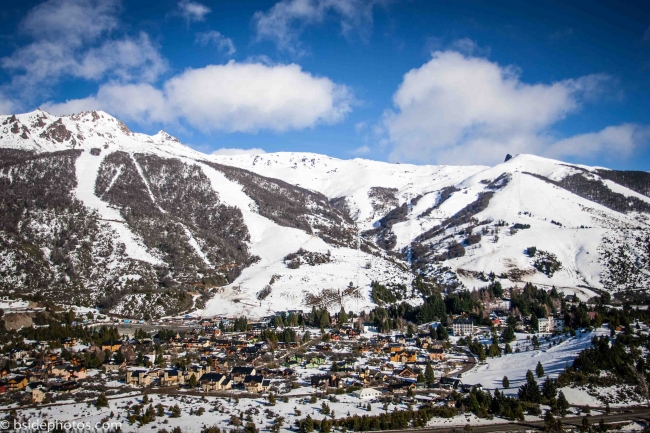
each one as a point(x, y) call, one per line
point(235, 97)
point(618, 142)
point(217, 39)
point(363, 150)
point(463, 109)
point(72, 38)
point(193, 11)
point(72, 20)
point(285, 21)
point(235, 151)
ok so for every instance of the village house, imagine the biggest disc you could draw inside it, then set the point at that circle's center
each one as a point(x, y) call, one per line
point(437, 354)
point(17, 383)
point(171, 377)
point(326, 381)
point(138, 377)
point(238, 374)
point(215, 382)
point(255, 384)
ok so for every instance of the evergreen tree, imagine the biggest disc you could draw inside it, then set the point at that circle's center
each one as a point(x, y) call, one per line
point(271, 399)
point(193, 382)
point(539, 369)
point(429, 375)
point(307, 426)
point(343, 316)
point(505, 382)
point(530, 390)
point(549, 388)
point(442, 333)
point(102, 401)
point(508, 334)
point(562, 404)
point(507, 349)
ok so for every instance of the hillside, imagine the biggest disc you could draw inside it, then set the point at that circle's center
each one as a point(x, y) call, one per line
point(145, 226)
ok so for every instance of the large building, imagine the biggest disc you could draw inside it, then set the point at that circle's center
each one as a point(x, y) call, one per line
point(463, 327)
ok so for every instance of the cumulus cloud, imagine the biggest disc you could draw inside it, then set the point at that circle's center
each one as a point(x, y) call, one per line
point(215, 38)
point(285, 21)
point(193, 11)
point(463, 109)
point(235, 97)
point(234, 151)
point(73, 38)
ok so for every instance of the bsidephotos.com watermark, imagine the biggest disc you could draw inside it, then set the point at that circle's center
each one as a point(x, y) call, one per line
point(58, 426)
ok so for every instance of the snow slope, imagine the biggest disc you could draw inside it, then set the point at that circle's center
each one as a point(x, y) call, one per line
point(521, 191)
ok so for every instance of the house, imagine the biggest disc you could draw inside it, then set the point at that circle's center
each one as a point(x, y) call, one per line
point(407, 373)
point(68, 342)
point(36, 392)
point(77, 373)
point(113, 366)
point(404, 357)
point(401, 388)
point(545, 324)
point(450, 383)
point(327, 380)
point(238, 374)
point(17, 383)
point(112, 346)
point(215, 382)
point(253, 384)
point(558, 324)
point(367, 393)
point(463, 327)
point(437, 354)
point(171, 377)
point(138, 377)
point(65, 387)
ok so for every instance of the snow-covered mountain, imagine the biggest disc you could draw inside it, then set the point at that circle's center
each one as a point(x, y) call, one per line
point(144, 225)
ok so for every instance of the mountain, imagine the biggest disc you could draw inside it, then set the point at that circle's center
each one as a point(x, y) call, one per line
point(144, 226)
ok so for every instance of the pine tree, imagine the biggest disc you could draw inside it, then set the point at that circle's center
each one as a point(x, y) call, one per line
point(193, 382)
point(505, 382)
point(562, 404)
point(102, 401)
point(539, 369)
point(549, 388)
point(343, 316)
point(429, 375)
point(442, 333)
point(271, 399)
point(530, 390)
point(507, 349)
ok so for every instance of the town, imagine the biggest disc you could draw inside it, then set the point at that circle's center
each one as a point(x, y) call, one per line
point(60, 356)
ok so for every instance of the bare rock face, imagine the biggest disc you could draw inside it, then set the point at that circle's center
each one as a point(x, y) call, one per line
point(508, 158)
point(15, 321)
point(57, 132)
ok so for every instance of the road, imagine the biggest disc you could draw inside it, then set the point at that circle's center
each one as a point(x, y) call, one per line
point(641, 414)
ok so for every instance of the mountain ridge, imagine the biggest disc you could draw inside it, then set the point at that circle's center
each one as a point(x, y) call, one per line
point(146, 226)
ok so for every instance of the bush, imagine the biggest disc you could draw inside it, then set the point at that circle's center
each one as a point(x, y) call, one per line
point(531, 251)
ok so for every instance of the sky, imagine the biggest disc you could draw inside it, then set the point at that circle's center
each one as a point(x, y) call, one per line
point(411, 81)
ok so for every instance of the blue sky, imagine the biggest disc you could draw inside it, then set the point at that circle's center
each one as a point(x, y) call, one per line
point(404, 81)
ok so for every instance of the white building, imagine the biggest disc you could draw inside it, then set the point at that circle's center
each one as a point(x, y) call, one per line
point(463, 327)
point(367, 393)
point(545, 324)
